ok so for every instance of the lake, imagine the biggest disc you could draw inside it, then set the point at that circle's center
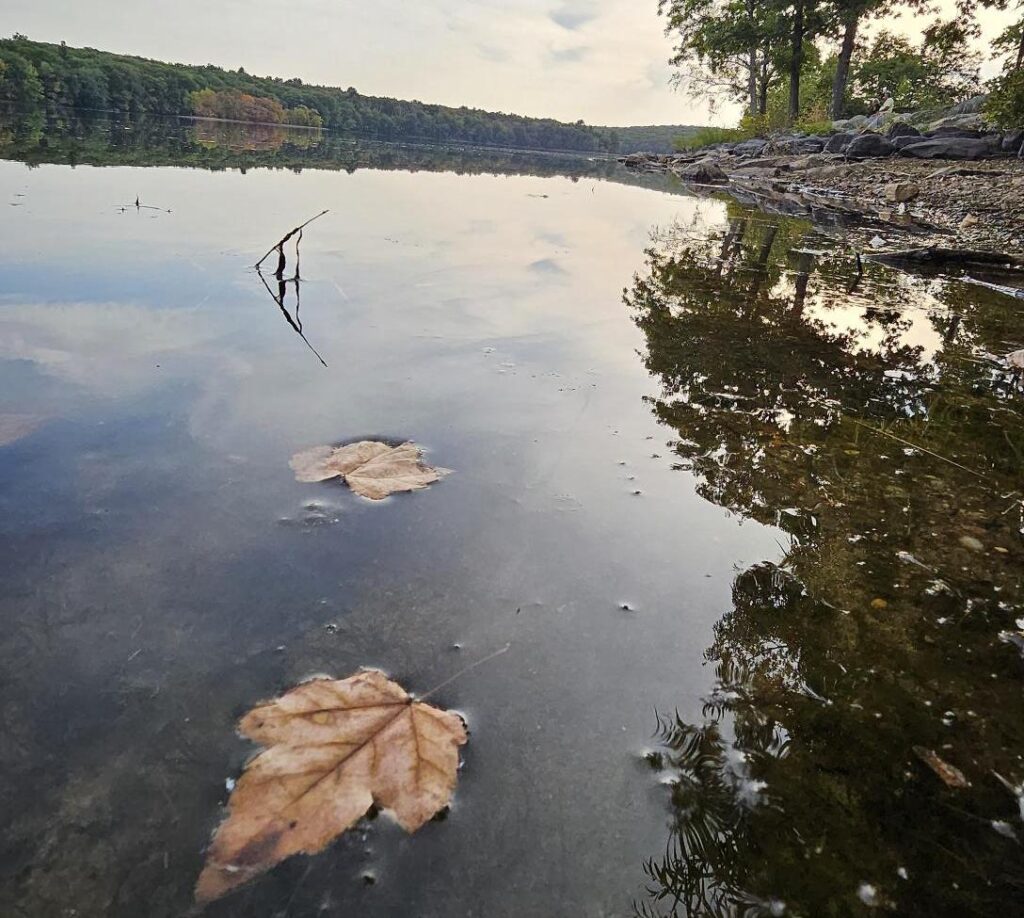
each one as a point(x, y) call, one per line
point(748, 519)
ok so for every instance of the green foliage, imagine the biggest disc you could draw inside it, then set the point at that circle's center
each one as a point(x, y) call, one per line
point(941, 70)
point(651, 138)
point(736, 48)
point(56, 76)
point(1005, 103)
point(708, 136)
point(19, 81)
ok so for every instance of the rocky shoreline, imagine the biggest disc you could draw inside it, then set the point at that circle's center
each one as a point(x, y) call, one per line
point(955, 183)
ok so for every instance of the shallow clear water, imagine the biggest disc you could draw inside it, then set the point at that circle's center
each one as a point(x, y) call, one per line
point(637, 508)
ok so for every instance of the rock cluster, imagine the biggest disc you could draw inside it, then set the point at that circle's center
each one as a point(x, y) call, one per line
point(881, 169)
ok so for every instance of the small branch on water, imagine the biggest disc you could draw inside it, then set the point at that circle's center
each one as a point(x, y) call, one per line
point(279, 247)
point(139, 206)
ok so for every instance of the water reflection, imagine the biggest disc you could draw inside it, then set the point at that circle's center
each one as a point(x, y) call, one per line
point(864, 413)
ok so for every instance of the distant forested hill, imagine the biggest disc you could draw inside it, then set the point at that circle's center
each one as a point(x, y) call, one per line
point(40, 75)
point(650, 138)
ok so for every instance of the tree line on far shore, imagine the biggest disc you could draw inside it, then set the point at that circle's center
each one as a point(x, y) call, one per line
point(42, 75)
point(806, 61)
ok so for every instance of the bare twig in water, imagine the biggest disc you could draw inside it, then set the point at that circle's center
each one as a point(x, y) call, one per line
point(279, 247)
point(279, 298)
point(139, 206)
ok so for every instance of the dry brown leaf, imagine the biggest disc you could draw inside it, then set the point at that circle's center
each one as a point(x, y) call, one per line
point(333, 748)
point(950, 774)
point(370, 468)
point(15, 426)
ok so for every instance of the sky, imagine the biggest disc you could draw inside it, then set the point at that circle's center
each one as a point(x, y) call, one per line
point(604, 61)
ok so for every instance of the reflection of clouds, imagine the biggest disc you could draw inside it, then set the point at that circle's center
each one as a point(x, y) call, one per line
point(109, 349)
point(480, 262)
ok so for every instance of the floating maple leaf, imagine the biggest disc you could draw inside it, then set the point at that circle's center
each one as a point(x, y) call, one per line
point(370, 468)
point(333, 748)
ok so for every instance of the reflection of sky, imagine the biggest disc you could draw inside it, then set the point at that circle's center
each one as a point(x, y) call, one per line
point(177, 393)
point(843, 314)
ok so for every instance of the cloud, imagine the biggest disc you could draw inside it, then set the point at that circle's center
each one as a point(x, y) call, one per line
point(573, 16)
point(493, 53)
point(569, 55)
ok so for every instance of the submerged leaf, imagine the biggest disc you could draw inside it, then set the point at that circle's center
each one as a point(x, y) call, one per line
point(333, 749)
point(370, 468)
point(950, 774)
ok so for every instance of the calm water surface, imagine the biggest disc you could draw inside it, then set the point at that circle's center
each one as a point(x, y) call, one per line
point(750, 524)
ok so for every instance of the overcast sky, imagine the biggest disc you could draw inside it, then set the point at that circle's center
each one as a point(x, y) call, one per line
point(600, 60)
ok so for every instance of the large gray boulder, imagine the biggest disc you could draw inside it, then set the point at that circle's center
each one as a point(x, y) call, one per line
point(949, 148)
point(702, 173)
point(1011, 141)
point(968, 122)
point(867, 145)
point(901, 129)
point(799, 146)
point(948, 130)
point(905, 140)
point(970, 106)
point(753, 147)
point(838, 142)
point(857, 122)
point(880, 120)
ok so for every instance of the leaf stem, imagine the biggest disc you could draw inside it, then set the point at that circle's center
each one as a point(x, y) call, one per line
point(465, 670)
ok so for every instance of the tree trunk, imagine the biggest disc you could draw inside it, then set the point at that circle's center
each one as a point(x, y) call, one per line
point(752, 82)
point(796, 64)
point(843, 65)
point(762, 92)
point(752, 64)
point(1020, 49)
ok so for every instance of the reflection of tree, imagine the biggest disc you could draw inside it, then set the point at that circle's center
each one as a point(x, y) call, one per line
point(800, 786)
